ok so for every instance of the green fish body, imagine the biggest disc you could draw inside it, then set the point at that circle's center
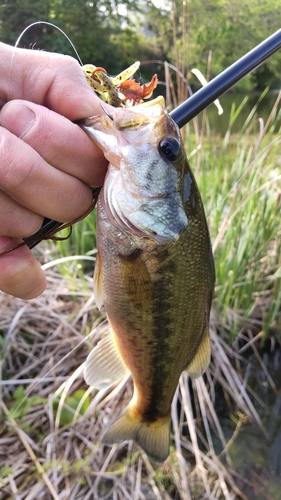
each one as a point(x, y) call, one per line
point(154, 272)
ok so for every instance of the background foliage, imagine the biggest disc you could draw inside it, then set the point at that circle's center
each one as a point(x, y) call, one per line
point(114, 33)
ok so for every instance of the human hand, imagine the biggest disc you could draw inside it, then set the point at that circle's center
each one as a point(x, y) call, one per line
point(47, 163)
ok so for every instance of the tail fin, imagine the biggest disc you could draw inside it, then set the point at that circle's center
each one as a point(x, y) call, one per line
point(152, 437)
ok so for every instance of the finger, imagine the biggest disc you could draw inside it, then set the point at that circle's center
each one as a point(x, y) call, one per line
point(30, 181)
point(60, 142)
point(20, 273)
point(16, 221)
point(53, 80)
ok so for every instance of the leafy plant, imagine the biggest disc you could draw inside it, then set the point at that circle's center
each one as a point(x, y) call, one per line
point(22, 403)
point(70, 406)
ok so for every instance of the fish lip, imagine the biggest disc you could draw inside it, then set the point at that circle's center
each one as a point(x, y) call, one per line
point(86, 123)
point(113, 113)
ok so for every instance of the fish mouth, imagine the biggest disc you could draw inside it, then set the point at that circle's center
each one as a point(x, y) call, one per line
point(126, 118)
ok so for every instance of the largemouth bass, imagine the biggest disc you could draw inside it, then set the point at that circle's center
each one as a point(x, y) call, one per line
point(154, 272)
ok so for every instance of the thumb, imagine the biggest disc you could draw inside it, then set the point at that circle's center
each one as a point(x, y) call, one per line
point(20, 273)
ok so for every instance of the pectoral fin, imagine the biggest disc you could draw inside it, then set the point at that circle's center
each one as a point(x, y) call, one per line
point(136, 280)
point(201, 360)
point(104, 365)
point(98, 283)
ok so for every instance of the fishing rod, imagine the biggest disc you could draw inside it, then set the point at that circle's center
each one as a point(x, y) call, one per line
point(226, 80)
point(196, 103)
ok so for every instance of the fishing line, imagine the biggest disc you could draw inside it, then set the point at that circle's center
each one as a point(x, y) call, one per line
point(47, 23)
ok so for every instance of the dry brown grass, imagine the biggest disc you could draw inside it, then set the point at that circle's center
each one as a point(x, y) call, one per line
point(45, 345)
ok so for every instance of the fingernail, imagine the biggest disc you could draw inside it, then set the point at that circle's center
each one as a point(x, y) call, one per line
point(17, 118)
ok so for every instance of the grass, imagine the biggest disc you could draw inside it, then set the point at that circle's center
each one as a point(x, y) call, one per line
point(51, 422)
point(240, 181)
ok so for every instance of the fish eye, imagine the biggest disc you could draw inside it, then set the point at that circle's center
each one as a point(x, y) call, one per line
point(169, 146)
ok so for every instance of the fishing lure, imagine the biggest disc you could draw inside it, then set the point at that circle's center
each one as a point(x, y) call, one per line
point(120, 90)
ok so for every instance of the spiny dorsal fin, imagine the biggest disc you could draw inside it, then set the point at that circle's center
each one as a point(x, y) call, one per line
point(97, 282)
point(201, 360)
point(152, 437)
point(104, 365)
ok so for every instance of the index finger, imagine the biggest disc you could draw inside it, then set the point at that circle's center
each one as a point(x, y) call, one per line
point(52, 80)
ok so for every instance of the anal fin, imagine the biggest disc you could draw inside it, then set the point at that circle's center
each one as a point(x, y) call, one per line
point(104, 366)
point(201, 360)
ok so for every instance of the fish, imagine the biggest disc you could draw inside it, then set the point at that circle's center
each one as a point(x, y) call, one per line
point(154, 272)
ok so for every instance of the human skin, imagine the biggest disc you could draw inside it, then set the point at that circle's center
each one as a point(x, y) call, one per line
point(47, 163)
